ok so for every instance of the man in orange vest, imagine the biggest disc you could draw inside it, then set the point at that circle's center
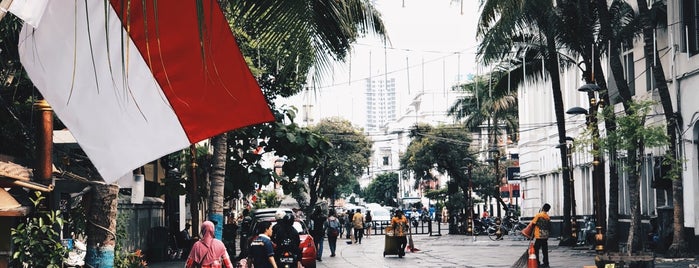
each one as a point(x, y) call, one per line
point(542, 227)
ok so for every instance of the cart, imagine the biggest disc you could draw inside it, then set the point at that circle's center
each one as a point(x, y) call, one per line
point(391, 244)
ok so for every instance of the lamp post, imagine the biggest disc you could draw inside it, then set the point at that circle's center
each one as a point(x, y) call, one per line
point(573, 216)
point(598, 187)
point(495, 159)
point(469, 196)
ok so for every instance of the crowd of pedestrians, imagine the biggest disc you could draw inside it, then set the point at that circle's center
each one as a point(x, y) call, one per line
point(266, 245)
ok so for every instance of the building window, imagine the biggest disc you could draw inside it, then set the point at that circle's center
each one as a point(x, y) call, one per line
point(629, 68)
point(690, 23)
point(624, 203)
point(647, 194)
point(385, 161)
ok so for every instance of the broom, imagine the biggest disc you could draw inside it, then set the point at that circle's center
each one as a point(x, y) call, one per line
point(411, 244)
point(522, 261)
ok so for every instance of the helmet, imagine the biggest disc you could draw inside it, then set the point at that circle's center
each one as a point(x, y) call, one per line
point(279, 214)
point(288, 217)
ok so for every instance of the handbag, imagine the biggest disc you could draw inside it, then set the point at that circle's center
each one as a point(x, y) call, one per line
point(528, 231)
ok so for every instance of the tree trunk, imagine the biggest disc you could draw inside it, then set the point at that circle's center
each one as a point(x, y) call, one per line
point(633, 242)
point(101, 225)
point(679, 244)
point(218, 180)
point(611, 236)
point(552, 68)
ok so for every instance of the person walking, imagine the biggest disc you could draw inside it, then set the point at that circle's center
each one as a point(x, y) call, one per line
point(185, 241)
point(348, 223)
point(318, 232)
point(245, 233)
point(230, 231)
point(542, 227)
point(286, 238)
point(333, 226)
point(208, 252)
point(400, 225)
point(358, 224)
point(368, 223)
point(261, 250)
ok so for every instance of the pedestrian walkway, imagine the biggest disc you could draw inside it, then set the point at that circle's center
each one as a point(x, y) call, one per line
point(455, 251)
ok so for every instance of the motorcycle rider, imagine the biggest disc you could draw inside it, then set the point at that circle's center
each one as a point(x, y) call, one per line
point(286, 237)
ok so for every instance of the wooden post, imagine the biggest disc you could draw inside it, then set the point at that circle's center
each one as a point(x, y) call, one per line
point(44, 165)
point(194, 191)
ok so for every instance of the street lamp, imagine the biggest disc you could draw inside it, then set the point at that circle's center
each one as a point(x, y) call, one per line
point(598, 187)
point(569, 155)
point(495, 159)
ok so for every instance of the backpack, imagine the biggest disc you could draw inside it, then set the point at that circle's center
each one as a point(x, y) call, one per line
point(333, 228)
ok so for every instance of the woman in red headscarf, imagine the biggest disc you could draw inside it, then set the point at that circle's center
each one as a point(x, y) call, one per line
point(208, 252)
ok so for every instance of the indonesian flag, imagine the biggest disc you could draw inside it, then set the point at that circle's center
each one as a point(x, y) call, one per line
point(133, 83)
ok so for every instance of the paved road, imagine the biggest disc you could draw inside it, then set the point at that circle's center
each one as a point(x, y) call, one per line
point(454, 251)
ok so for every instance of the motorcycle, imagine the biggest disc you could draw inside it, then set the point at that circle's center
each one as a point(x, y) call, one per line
point(415, 220)
point(286, 258)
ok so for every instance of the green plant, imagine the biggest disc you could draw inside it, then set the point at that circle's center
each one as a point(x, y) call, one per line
point(122, 258)
point(36, 240)
point(131, 260)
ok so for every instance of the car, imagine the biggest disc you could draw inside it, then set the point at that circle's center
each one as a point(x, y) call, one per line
point(307, 245)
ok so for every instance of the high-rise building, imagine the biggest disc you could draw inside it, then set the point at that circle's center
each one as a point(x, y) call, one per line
point(380, 103)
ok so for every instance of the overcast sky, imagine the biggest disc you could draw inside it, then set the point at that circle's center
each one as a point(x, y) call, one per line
point(432, 46)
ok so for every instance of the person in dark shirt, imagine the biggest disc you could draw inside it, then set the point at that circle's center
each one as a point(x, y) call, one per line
point(286, 238)
point(245, 233)
point(185, 241)
point(229, 234)
point(261, 251)
point(318, 232)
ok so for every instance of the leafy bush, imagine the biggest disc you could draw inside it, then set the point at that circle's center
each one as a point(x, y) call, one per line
point(36, 241)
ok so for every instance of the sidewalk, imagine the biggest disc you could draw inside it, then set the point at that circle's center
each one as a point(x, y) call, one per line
point(455, 251)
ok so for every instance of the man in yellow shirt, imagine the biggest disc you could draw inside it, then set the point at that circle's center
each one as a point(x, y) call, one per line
point(400, 226)
point(358, 224)
point(542, 227)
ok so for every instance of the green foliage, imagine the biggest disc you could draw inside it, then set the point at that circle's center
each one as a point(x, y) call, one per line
point(632, 132)
point(346, 158)
point(456, 202)
point(383, 190)
point(439, 194)
point(36, 241)
point(267, 199)
point(122, 258)
point(346, 189)
point(442, 148)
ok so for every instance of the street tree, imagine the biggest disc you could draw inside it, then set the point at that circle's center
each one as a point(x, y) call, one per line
point(348, 157)
point(439, 149)
point(633, 134)
point(383, 190)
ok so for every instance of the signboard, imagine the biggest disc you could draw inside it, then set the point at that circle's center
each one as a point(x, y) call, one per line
point(513, 173)
point(509, 191)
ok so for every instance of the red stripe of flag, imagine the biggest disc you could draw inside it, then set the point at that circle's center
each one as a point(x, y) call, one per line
point(211, 89)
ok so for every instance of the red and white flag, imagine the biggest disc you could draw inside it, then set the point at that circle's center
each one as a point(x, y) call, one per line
point(133, 83)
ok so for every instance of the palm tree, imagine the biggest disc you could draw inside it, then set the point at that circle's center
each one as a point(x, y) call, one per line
point(502, 37)
point(483, 103)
